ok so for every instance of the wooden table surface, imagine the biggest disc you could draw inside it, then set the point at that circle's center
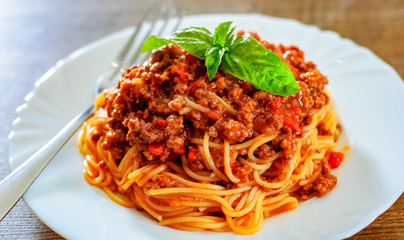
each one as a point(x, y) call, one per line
point(35, 34)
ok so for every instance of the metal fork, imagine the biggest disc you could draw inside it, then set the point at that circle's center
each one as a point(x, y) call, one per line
point(15, 184)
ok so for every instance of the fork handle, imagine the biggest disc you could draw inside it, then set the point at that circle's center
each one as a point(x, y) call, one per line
point(14, 185)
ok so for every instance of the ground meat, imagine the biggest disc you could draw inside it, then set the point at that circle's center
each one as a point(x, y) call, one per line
point(140, 131)
point(199, 120)
point(324, 184)
point(177, 104)
point(196, 162)
point(264, 151)
point(322, 130)
point(114, 141)
point(288, 147)
point(232, 130)
point(243, 173)
point(161, 88)
point(162, 181)
point(246, 114)
point(321, 186)
point(175, 125)
point(159, 106)
point(176, 142)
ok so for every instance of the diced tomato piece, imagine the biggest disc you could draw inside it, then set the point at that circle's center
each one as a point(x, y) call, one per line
point(157, 148)
point(179, 151)
point(192, 88)
point(276, 104)
point(291, 122)
point(279, 111)
point(182, 71)
point(295, 111)
point(191, 58)
point(162, 122)
point(191, 154)
point(335, 159)
point(194, 85)
point(214, 115)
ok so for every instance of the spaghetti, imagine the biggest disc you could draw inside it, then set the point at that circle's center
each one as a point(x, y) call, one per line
point(215, 155)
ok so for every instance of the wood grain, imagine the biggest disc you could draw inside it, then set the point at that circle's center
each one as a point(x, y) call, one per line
point(35, 34)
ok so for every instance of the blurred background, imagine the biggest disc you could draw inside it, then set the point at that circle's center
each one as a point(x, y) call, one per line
point(34, 35)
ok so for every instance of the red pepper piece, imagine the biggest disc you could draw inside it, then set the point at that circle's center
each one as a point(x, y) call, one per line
point(191, 154)
point(214, 115)
point(162, 122)
point(335, 159)
point(291, 122)
point(182, 71)
point(295, 111)
point(276, 104)
point(179, 151)
point(157, 148)
point(194, 85)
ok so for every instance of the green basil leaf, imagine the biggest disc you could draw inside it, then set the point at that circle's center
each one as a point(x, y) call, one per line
point(252, 62)
point(154, 42)
point(224, 34)
point(194, 40)
point(213, 59)
point(242, 57)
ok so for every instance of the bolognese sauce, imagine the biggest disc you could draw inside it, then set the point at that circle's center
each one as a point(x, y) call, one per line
point(170, 110)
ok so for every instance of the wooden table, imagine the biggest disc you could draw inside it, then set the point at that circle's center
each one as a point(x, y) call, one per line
point(35, 34)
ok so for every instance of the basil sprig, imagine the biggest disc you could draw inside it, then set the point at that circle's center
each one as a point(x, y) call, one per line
point(242, 57)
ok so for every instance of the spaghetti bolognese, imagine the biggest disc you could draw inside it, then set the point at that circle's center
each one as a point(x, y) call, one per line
point(216, 155)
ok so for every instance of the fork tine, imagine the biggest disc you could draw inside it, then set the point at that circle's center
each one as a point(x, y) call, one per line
point(177, 25)
point(169, 14)
point(117, 64)
point(106, 80)
point(153, 20)
point(122, 55)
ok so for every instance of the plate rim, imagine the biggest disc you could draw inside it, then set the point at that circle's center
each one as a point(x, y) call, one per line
point(120, 33)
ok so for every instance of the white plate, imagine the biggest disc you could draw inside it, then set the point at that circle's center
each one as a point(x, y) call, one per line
point(367, 94)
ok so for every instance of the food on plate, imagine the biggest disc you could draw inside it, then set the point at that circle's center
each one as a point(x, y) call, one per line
point(215, 136)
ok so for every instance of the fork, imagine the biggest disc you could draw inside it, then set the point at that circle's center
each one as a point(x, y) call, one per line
point(17, 182)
